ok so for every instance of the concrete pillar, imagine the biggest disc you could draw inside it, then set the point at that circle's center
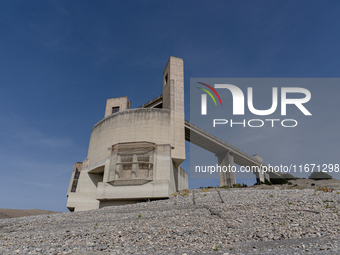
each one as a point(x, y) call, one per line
point(135, 167)
point(226, 160)
point(266, 176)
point(151, 160)
point(173, 99)
point(119, 168)
point(108, 165)
point(261, 176)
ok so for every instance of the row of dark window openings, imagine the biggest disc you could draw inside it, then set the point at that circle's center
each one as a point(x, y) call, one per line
point(75, 181)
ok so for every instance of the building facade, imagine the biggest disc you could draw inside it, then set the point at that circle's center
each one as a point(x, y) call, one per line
point(134, 154)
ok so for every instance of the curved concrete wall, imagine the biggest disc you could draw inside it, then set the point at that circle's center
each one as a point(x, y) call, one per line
point(149, 124)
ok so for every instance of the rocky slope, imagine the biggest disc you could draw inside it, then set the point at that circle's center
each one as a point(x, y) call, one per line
point(234, 221)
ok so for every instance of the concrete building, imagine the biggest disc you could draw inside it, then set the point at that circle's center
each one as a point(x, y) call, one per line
point(134, 154)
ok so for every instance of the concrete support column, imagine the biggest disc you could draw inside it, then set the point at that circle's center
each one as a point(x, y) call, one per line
point(261, 176)
point(266, 176)
point(107, 166)
point(173, 99)
point(135, 167)
point(151, 160)
point(119, 168)
point(226, 162)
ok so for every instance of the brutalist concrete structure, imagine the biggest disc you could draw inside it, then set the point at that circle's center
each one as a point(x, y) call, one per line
point(134, 154)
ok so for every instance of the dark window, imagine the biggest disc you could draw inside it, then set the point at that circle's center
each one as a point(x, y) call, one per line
point(115, 109)
point(76, 175)
point(166, 79)
point(75, 181)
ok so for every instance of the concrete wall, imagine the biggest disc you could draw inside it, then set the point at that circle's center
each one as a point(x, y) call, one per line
point(135, 125)
point(182, 179)
point(117, 202)
point(159, 186)
point(94, 191)
point(85, 196)
point(79, 166)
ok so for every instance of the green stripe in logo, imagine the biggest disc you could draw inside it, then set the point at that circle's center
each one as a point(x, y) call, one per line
point(208, 94)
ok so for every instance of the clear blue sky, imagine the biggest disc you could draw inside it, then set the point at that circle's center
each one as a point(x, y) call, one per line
point(61, 60)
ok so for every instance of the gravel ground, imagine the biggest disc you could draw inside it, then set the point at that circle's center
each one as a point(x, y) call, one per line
point(248, 221)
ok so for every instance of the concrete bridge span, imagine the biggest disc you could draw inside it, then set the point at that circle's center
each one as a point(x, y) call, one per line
point(226, 154)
